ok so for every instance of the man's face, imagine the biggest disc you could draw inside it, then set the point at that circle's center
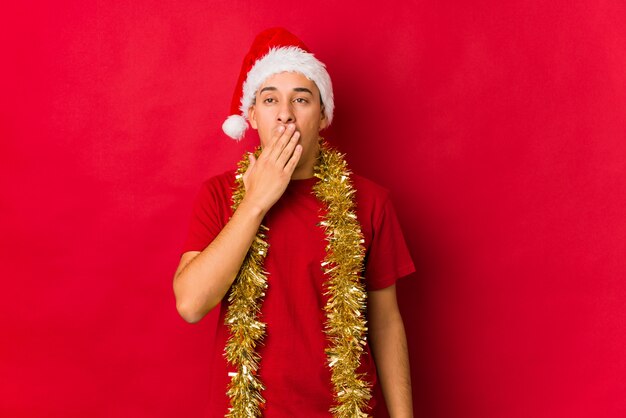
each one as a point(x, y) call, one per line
point(289, 98)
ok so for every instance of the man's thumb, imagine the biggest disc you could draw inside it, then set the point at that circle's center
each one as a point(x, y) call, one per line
point(251, 159)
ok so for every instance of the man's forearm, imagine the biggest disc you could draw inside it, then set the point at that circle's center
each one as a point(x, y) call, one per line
point(201, 283)
point(394, 371)
point(388, 341)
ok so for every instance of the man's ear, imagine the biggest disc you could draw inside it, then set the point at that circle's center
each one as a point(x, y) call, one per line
point(252, 117)
point(323, 119)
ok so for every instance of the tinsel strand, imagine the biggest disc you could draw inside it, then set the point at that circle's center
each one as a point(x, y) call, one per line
point(242, 319)
point(346, 327)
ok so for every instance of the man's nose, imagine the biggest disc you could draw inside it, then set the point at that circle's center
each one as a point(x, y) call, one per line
point(285, 113)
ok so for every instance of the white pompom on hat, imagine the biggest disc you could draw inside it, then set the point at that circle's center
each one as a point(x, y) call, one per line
point(274, 51)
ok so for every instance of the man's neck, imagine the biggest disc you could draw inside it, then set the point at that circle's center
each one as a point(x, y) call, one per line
point(302, 174)
point(306, 170)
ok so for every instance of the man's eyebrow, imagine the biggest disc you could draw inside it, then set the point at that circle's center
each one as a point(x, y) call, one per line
point(303, 90)
point(296, 89)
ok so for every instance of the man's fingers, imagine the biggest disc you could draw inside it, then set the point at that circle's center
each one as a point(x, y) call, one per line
point(268, 151)
point(282, 141)
point(293, 161)
point(287, 152)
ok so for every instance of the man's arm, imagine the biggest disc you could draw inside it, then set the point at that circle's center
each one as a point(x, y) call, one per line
point(389, 347)
point(203, 278)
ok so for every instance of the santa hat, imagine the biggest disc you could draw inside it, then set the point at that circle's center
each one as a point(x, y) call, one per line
point(274, 51)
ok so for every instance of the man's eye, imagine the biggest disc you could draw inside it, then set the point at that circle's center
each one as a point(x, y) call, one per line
point(301, 100)
point(269, 100)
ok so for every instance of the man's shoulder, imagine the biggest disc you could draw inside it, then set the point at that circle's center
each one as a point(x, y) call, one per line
point(369, 188)
point(224, 180)
point(371, 198)
point(218, 188)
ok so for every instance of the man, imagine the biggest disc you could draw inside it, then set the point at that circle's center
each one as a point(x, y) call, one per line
point(300, 255)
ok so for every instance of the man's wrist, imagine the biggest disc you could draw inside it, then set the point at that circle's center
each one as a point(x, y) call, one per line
point(252, 209)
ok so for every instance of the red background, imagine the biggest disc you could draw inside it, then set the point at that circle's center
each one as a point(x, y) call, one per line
point(498, 126)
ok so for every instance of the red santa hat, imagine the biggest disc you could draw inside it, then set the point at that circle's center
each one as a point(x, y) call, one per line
point(274, 51)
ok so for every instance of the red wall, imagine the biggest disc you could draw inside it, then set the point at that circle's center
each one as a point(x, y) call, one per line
point(498, 126)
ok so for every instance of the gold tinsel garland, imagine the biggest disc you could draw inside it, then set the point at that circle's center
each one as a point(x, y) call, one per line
point(345, 325)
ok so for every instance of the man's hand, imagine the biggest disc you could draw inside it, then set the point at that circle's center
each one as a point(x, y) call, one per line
point(267, 177)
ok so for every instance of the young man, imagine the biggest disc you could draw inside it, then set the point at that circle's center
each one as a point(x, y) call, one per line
point(300, 256)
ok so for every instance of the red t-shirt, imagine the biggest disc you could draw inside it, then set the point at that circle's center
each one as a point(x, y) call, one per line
point(293, 364)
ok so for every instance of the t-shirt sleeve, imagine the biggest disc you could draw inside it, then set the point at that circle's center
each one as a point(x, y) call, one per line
point(206, 218)
point(388, 257)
